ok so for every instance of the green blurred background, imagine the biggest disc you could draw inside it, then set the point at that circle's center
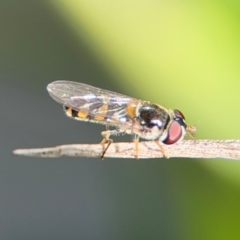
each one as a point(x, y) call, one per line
point(180, 54)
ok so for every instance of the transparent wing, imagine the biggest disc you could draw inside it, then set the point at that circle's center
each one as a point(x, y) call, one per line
point(95, 101)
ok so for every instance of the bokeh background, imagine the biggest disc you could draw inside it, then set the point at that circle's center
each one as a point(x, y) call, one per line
point(179, 53)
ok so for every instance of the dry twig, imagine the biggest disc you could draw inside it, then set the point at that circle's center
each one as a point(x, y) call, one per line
point(228, 149)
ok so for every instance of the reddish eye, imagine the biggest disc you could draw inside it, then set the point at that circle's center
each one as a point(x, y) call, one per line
point(174, 133)
point(177, 113)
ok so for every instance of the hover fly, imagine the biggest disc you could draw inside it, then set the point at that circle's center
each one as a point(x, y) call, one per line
point(142, 119)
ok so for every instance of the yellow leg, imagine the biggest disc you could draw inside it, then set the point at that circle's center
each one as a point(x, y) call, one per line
point(161, 149)
point(136, 138)
point(106, 134)
point(109, 141)
point(106, 139)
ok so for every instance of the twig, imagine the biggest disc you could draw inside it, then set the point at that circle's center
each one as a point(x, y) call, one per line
point(185, 149)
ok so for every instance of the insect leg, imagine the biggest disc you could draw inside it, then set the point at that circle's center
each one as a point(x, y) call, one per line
point(162, 150)
point(136, 140)
point(106, 139)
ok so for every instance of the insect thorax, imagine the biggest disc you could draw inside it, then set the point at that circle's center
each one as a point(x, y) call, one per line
point(151, 121)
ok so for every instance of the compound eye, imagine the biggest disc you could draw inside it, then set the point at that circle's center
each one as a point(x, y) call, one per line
point(174, 133)
point(178, 113)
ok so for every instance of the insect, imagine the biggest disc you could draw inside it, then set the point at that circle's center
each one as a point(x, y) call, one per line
point(142, 119)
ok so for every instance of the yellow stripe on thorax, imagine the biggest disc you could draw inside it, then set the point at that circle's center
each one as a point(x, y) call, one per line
point(131, 108)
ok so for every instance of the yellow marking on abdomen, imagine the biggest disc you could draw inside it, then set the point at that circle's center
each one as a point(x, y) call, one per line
point(82, 114)
point(68, 111)
point(101, 113)
point(76, 114)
